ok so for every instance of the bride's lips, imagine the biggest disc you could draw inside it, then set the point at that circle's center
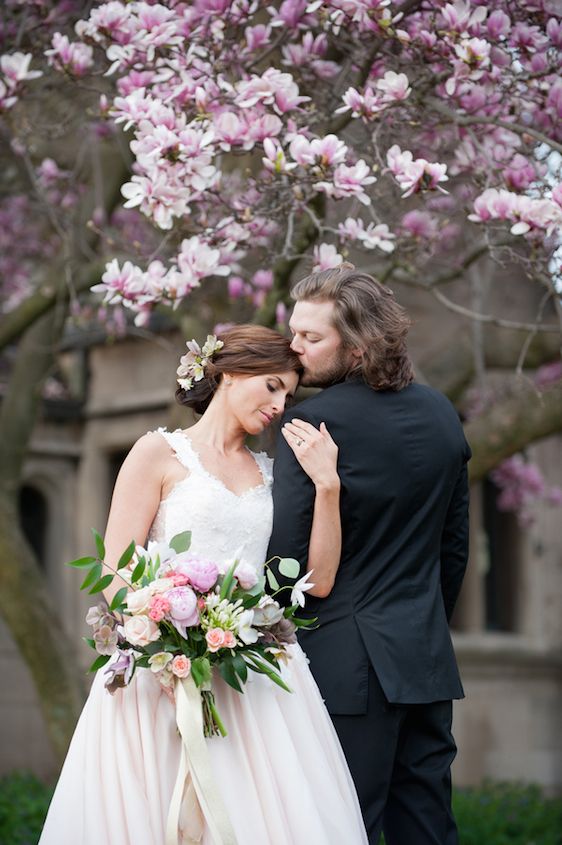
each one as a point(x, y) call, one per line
point(266, 417)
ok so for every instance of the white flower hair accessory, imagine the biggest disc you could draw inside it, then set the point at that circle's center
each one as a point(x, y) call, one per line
point(193, 363)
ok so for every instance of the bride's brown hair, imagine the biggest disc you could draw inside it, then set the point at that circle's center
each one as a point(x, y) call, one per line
point(248, 350)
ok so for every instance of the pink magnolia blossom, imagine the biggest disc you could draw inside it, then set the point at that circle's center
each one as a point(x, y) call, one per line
point(272, 88)
point(325, 257)
point(459, 15)
point(263, 279)
point(498, 25)
point(394, 86)
point(275, 159)
point(370, 237)
point(420, 224)
point(414, 175)
point(15, 69)
point(74, 57)
point(327, 151)
point(349, 181)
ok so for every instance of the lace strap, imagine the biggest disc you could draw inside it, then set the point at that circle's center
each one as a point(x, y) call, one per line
point(182, 448)
point(265, 464)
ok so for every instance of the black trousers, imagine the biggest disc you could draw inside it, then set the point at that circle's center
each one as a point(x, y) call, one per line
point(400, 759)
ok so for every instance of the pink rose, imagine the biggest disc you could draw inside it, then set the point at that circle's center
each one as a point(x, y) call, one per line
point(229, 640)
point(183, 608)
point(215, 639)
point(181, 666)
point(140, 630)
point(246, 575)
point(202, 573)
point(158, 608)
point(179, 579)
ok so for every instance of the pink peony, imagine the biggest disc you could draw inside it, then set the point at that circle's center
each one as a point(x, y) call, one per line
point(202, 573)
point(181, 666)
point(183, 608)
point(215, 639)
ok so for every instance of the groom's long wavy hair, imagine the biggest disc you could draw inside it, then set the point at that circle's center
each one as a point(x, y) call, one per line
point(368, 318)
point(249, 350)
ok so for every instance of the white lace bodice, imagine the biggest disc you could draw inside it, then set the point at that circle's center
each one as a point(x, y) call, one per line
point(223, 524)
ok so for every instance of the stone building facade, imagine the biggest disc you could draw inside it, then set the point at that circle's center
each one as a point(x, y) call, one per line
point(507, 627)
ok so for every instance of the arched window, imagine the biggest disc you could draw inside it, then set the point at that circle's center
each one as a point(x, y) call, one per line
point(34, 517)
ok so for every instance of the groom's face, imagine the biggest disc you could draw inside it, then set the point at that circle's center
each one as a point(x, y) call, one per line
point(318, 343)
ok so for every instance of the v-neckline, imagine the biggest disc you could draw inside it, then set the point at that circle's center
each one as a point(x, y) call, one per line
point(213, 477)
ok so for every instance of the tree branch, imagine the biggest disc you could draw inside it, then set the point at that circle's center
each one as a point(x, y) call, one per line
point(469, 120)
point(511, 424)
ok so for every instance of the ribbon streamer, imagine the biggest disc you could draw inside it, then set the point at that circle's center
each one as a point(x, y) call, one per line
point(195, 799)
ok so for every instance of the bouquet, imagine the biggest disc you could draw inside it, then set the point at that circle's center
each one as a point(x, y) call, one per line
point(179, 616)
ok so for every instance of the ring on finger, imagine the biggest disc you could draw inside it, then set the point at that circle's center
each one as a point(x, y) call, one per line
point(300, 442)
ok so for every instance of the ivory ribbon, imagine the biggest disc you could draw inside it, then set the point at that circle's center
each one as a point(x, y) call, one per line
point(195, 799)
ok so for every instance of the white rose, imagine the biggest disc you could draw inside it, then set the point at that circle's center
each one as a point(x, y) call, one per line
point(160, 585)
point(140, 630)
point(137, 600)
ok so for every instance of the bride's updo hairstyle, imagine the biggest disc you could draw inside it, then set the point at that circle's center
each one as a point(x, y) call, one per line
point(249, 350)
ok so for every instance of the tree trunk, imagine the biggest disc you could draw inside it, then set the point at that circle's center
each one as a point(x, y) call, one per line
point(25, 604)
point(38, 631)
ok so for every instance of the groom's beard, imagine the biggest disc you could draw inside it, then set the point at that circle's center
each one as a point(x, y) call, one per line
point(331, 373)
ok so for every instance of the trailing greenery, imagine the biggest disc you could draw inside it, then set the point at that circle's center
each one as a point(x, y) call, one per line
point(493, 814)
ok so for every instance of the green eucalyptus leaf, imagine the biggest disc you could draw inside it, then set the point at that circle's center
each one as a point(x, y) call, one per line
point(181, 542)
point(127, 555)
point(99, 544)
point(101, 584)
point(118, 598)
point(82, 561)
point(138, 571)
point(92, 576)
point(271, 579)
point(289, 567)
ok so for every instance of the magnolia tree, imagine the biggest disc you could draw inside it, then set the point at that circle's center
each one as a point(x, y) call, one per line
point(248, 142)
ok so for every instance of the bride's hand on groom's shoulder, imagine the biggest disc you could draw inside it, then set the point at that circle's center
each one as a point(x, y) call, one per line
point(315, 450)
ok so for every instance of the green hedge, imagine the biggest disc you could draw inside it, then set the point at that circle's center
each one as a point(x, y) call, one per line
point(23, 806)
point(494, 814)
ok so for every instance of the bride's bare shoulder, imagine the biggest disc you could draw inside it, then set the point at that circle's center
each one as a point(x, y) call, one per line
point(150, 449)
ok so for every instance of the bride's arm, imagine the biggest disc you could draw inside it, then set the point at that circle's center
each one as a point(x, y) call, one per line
point(317, 454)
point(134, 503)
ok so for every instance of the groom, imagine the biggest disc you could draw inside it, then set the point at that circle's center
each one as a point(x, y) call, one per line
point(381, 653)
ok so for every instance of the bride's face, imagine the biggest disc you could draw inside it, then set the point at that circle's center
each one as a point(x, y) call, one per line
point(256, 401)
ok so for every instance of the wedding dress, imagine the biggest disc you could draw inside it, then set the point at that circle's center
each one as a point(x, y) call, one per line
point(281, 772)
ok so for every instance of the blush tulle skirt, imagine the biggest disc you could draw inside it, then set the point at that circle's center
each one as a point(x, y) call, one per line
point(280, 771)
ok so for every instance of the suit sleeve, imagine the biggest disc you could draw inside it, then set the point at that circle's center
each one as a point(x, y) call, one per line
point(293, 505)
point(454, 540)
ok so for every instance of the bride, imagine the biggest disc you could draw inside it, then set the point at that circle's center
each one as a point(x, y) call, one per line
point(280, 771)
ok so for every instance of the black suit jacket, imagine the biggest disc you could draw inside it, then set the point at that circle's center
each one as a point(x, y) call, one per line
point(404, 511)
